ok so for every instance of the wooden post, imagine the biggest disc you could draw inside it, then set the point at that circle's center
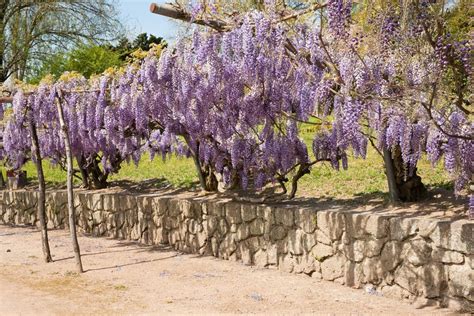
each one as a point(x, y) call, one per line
point(35, 149)
point(70, 192)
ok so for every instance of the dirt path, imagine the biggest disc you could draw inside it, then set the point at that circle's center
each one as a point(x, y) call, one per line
point(126, 278)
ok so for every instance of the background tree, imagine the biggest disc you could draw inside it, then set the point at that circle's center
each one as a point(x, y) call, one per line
point(87, 60)
point(143, 41)
point(92, 59)
point(31, 31)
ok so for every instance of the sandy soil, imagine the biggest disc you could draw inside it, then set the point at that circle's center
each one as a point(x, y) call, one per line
point(126, 278)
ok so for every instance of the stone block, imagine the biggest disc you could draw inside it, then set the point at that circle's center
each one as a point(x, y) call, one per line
point(286, 263)
point(295, 242)
point(215, 247)
point(406, 276)
point(233, 213)
point(211, 225)
point(284, 216)
point(333, 267)
point(353, 274)
point(92, 201)
point(402, 228)
point(193, 226)
point(277, 233)
point(373, 247)
point(331, 224)
point(391, 255)
point(159, 205)
point(247, 249)
point(355, 251)
point(456, 235)
point(321, 252)
point(425, 281)
point(257, 227)
point(249, 212)
point(321, 237)
point(309, 241)
point(272, 254)
point(461, 281)
point(307, 219)
point(470, 261)
point(266, 213)
point(223, 227)
point(377, 226)
point(417, 251)
point(186, 208)
point(243, 232)
point(144, 204)
point(372, 270)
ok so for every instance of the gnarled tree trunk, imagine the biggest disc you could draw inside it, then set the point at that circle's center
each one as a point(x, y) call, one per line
point(91, 174)
point(405, 185)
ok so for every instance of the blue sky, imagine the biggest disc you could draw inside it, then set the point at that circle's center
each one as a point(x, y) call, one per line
point(136, 15)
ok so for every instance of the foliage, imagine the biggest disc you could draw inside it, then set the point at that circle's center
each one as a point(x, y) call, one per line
point(87, 60)
point(143, 42)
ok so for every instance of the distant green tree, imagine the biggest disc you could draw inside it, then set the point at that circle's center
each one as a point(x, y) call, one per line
point(90, 59)
point(86, 59)
point(125, 47)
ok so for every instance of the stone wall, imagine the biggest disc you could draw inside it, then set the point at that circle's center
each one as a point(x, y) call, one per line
point(396, 255)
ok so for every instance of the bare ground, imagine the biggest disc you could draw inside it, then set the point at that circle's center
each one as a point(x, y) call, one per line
point(127, 278)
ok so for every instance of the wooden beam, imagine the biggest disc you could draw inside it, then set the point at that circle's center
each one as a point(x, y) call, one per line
point(175, 12)
point(6, 99)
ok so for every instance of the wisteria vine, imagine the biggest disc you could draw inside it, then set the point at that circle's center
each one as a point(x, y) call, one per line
point(234, 100)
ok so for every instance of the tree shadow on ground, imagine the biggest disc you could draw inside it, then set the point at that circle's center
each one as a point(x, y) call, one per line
point(130, 246)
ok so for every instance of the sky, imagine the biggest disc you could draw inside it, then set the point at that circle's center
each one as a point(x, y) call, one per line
point(135, 14)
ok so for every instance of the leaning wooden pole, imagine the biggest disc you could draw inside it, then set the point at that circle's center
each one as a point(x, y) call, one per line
point(35, 149)
point(70, 192)
point(177, 13)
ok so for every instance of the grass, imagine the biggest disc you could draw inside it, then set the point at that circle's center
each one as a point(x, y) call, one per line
point(178, 172)
point(364, 177)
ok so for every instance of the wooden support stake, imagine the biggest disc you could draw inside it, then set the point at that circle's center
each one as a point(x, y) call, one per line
point(70, 192)
point(35, 149)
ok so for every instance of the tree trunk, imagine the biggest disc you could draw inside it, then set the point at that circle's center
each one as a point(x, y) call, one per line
point(207, 179)
point(390, 173)
point(302, 170)
point(70, 193)
point(41, 192)
point(409, 185)
point(197, 164)
point(84, 176)
point(98, 179)
point(3, 10)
